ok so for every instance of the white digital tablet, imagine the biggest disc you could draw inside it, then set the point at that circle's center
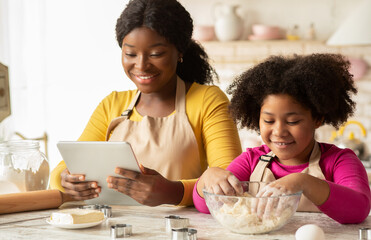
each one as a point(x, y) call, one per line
point(98, 160)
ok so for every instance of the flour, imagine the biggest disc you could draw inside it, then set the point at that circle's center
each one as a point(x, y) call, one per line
point(8, 187)
point(16, 180)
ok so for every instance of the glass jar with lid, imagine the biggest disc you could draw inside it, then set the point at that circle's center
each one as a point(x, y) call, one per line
point(23, 167)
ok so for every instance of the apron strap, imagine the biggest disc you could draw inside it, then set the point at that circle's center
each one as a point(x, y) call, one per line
point(314, 168)
point(112, 125)
point(129, 110)
point(264, 160)
point(315, 156)
point(124, 115)
point(180, 96)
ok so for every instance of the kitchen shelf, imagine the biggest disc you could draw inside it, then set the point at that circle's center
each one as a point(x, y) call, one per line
point(255, 51)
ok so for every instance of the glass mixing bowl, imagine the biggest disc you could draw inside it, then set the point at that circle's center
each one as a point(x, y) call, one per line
point(249, 214)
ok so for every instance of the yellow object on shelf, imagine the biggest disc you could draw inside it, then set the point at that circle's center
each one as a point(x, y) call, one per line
point(292, 37)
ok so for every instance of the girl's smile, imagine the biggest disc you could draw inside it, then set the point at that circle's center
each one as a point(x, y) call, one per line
point(287, 128)
point(282, 144)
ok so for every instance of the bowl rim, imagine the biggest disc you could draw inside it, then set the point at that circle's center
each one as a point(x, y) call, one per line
point(282, 195)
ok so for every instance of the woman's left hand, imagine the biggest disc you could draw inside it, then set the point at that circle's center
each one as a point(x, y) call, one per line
point(148, 188)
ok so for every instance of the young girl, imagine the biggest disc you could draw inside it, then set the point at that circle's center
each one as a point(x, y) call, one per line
point(286, 100)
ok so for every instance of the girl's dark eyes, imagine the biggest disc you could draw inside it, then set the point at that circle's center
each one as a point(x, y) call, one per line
point(289, 123)
point(293, 123)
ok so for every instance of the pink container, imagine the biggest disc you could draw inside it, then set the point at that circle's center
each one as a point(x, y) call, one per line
point(203, 33)
point(262, 30)
point(358, 67)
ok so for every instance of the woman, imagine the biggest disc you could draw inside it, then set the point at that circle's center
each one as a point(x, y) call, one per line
point(176, 125)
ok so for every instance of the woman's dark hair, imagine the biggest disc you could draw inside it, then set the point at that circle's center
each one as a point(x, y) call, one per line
point(320, 82)
point(172, 21)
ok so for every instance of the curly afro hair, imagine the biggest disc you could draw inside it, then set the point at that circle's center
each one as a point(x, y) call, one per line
point(172, 21)
point(320, 82)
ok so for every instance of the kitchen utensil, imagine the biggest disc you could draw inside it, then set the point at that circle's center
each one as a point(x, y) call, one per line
point(28, 201)
point(174, 222)
point(203, 33)
point(121, 231)
point(239, 215)
point(364, 233)
point(184, 234)
point(265, 30)
point(228, 25)
point(351, 142)
point(107, 210)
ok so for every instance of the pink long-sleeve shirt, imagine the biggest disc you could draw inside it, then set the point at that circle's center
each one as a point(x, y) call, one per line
point(350, 197)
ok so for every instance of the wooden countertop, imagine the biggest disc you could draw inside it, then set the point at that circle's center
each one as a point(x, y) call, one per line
point(149, 223)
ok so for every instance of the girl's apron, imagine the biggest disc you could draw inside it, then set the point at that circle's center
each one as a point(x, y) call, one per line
point(165, 144)
point(263, 174)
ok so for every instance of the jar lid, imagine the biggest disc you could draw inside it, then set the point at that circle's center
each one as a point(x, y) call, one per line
point(22, 145)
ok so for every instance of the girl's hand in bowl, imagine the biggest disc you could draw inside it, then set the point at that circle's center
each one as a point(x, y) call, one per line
point(219, 181)
point(284, 186)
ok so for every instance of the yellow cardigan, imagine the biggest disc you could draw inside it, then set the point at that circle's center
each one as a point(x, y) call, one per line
point(207, 111)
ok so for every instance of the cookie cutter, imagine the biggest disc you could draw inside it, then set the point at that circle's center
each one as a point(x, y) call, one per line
point(183, 234)
point(175, 221)
point(364, 233)
point(107, 210)
point(121, 231)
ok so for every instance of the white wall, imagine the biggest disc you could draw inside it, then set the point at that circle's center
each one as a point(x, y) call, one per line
point(63, 59)
point(325, 14)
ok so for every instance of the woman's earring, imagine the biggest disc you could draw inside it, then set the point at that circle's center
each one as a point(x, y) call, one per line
point(181, 60)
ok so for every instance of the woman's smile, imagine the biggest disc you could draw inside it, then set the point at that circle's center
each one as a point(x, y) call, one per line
point(145, 79)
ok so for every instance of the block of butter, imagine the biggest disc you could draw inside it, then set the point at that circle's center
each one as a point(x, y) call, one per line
point(76, 216)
